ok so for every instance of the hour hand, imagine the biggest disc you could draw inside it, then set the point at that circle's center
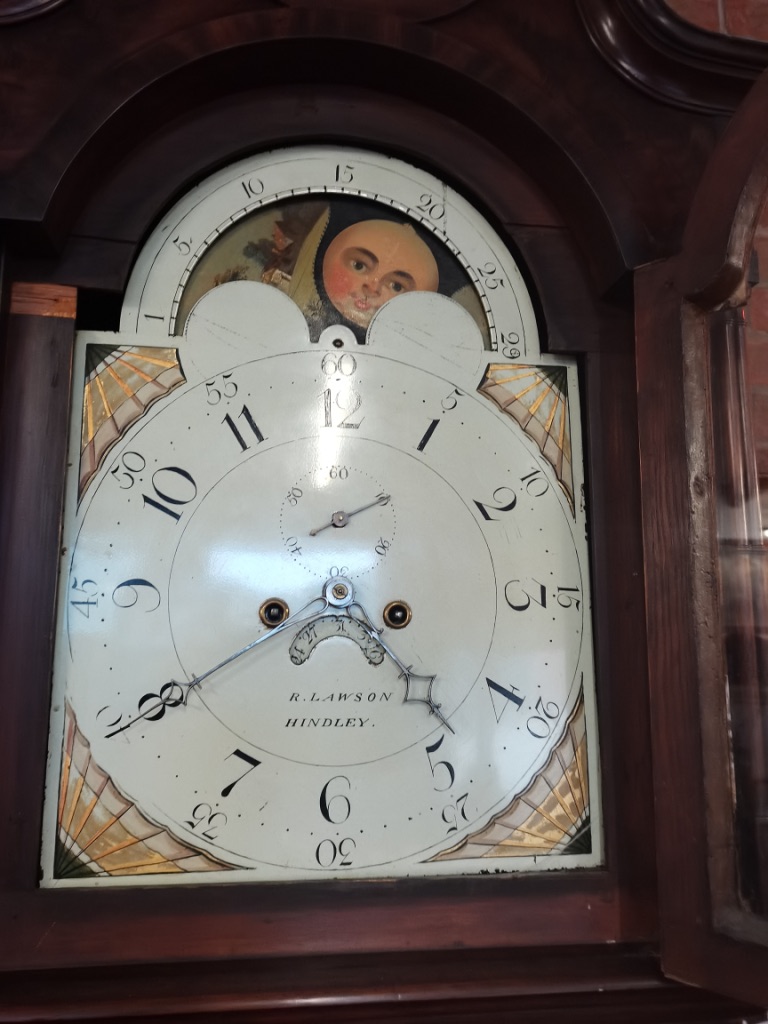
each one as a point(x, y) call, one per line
point(418, 688)
point(339, 519)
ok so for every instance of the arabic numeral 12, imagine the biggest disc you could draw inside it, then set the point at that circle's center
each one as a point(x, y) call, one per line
point(347, 402)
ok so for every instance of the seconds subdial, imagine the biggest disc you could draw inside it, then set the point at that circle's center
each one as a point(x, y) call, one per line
point(338, 518)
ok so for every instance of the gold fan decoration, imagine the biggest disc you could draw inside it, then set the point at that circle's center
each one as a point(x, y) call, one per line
point(101, 833)
point(120, 385)
point(550, 817)
point(537, 397)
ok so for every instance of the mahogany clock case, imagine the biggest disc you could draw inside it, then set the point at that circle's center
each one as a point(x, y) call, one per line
point(574, 234)
point(476, 913)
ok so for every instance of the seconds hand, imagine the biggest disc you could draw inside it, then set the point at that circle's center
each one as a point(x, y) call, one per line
point(342, 518)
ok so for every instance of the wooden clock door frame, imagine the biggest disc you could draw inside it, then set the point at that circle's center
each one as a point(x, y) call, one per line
point(689, 316)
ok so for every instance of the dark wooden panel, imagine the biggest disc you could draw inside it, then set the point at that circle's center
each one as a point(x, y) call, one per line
point(32, 458)
point(672, 659)
point(619, 616)
point(97, 263)
point(521, 78)
point(67, 928)
point(588, 985)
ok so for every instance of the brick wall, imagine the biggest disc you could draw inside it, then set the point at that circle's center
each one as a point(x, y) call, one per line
point(746, 18)
point(732, 17)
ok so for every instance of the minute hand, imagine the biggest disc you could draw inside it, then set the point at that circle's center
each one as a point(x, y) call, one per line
point(292, 620)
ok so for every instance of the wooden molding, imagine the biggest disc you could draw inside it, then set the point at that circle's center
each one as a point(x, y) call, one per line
point(21, 10)
point(408, 10)
point(598, 985)
point(670, 59)
point(712, 268)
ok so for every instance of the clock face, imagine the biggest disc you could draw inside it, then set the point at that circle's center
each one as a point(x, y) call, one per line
point(324, 607)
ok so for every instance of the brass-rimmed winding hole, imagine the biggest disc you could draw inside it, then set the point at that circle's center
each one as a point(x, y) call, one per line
point(397, 614)
point(273, 612)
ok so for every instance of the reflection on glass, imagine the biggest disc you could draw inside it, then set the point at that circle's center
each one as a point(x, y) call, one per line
point(739, 419)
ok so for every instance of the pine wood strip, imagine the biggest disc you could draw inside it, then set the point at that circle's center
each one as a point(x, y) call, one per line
point(57, 300)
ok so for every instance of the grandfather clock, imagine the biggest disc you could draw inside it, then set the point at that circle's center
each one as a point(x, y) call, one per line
point(382, 597)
